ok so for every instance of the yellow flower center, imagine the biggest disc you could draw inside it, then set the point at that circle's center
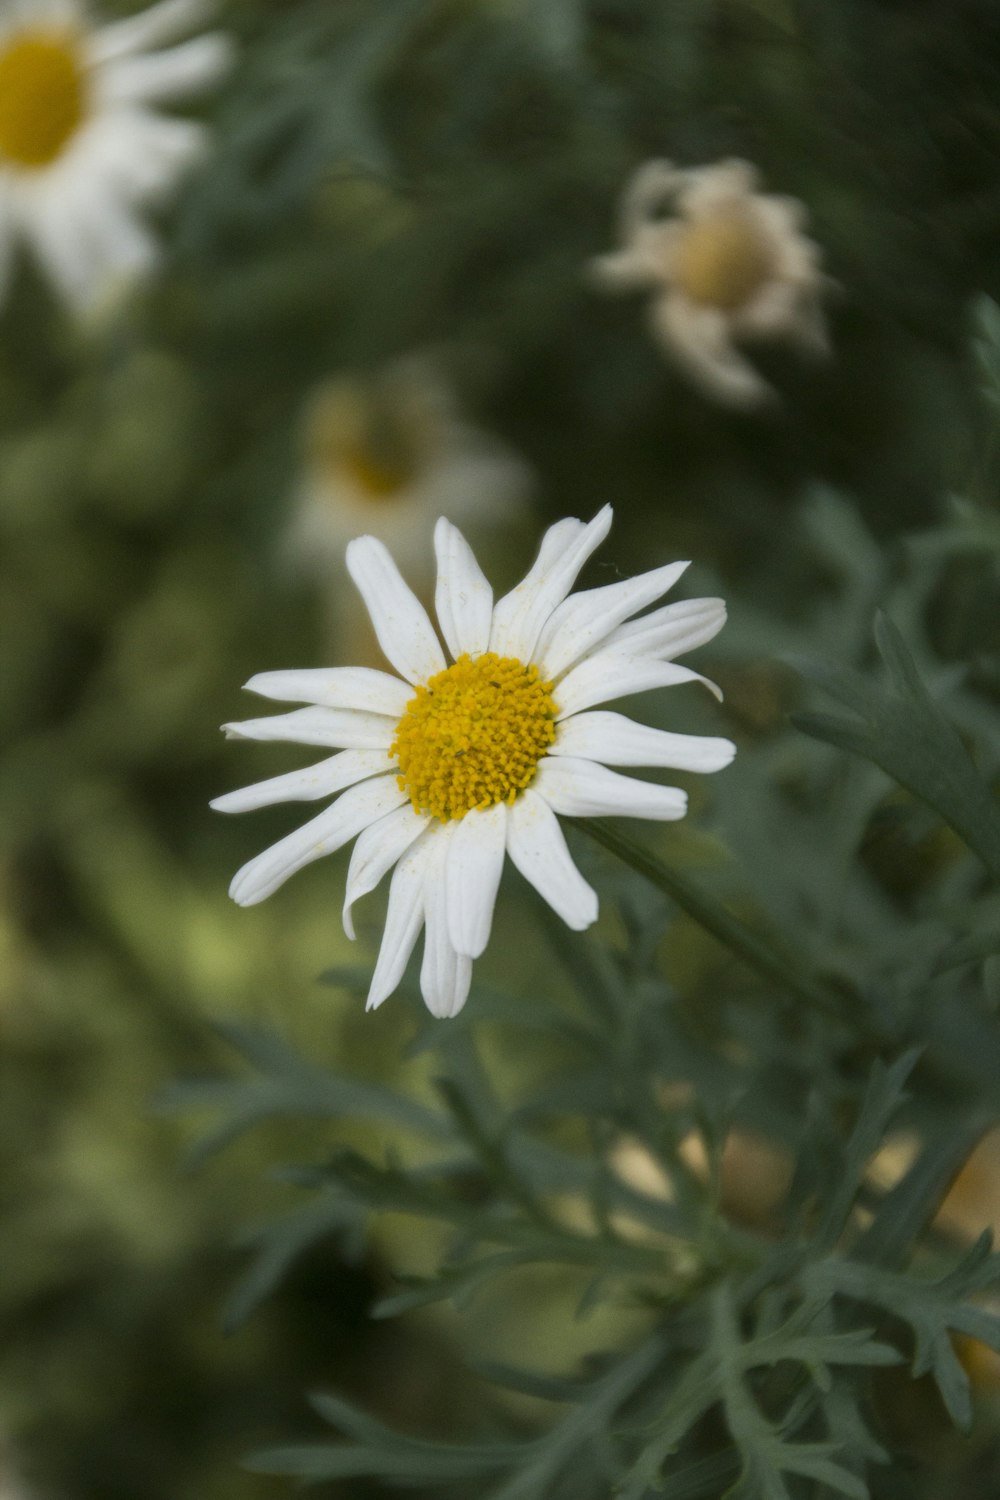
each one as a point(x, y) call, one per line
point(375, 479)
point(722, 261)
point(370, 438)
point(473, 735)
point(42, 100)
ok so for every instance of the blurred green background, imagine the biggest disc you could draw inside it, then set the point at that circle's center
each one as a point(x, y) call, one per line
point(388, 180)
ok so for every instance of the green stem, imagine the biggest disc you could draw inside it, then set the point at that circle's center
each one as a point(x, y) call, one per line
point(771, 962)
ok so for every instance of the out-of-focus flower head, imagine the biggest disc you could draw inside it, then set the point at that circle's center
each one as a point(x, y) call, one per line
point(386, 455)
point(82, 144)
point(726, 263)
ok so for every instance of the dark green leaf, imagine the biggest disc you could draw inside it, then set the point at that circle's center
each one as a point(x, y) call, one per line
point(900, 728)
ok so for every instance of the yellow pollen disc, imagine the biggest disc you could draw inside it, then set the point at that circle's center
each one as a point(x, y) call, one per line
point(41, 97)
point(473, 735)
point(721, 261)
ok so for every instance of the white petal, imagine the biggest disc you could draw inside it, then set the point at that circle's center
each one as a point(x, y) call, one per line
point(771, 312)
point(142, 154)
point(583, 620)
point(614, 674)
point(163, 76)
point(334, 827)
point(672, 630)
point(472, 876)
point(104, 243)
point(783, 218)
point(150, 28)
point(640, 265)
point(445, 975)
point(580, 789)
point(403, 920)
point(724, 185)
point(701, 339)
point(127, 247)
point(537, 847)
point(464, 598)
point(340, 728)
point(307, 785)
point(650, 189)
point(616, 740)
point(376, 851)
point(519, 617)
point(58, 235)
point(404, 632)
point(336, 687)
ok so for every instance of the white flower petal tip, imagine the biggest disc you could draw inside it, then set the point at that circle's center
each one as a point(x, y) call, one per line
point(464, 598)
point(727, 262)
point(342, 821)
point(341, 729)
point(445, 771)
point(579, 788)
point(614, 740)
point(403, 920)
point(78, 169)
point(537, 847)
point(322, 780)
point(404, 632)
point(519, 616)
point(585, 620)
point(335, 687)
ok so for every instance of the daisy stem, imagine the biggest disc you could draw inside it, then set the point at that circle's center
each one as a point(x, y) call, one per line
point(770, 961)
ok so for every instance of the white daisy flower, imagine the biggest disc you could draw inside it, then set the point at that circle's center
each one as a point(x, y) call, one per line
point(470, 753)
point(386, 456)
point(82, 146)
point(729, 263)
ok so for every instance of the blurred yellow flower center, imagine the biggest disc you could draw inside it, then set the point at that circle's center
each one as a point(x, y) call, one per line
point(722, 261)
point(473, 735)
point(41, 97)
point(376, 480)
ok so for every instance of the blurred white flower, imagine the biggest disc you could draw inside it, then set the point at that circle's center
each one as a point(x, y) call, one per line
point(728, 263)
point(446, 768)
point(386, 456)
point(82, 146)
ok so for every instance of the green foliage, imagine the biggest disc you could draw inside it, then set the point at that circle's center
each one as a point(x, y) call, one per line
point(902, 731)
point(808, 966)
point(769, 1334)
point(783, 1332)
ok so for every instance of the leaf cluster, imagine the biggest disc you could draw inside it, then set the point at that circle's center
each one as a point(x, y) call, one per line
point(772, 1328)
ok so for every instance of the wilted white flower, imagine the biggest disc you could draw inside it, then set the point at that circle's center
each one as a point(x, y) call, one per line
point(446, 768)
point(82, 146)
point(385, 456)
point(728, 263)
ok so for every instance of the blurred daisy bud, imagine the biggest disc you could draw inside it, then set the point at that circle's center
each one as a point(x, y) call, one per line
point(384, 456)
point(724, 263)
point(83, 146)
